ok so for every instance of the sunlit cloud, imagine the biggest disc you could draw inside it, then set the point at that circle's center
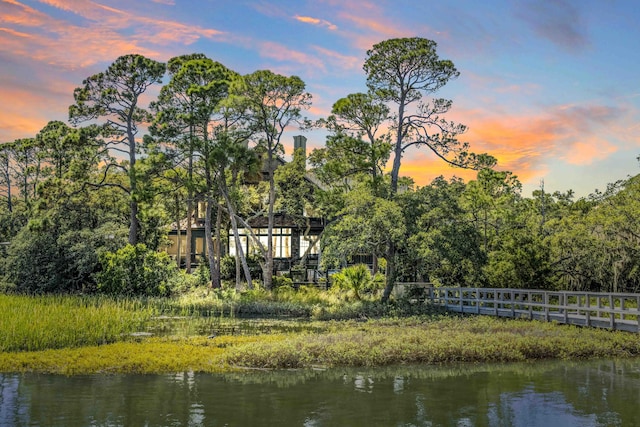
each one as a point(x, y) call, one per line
point(316, 21)
point(107, 34)
point(30, 110)
point(423, 167)
point(365, 23)
point(375, 29)
point(589, 150)
point(339, 60)
point(280, 52)
point(527, 144)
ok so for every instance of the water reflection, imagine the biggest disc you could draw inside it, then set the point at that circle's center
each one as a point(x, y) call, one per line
point(603, 393)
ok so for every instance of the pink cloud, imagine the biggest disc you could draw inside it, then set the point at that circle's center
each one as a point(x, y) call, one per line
point(316, 21)
point(280, 52)
point(336, 59)
point(69, 45)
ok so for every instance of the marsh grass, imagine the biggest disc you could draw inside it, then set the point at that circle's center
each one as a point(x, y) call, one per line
point(30, 323)
point(382, 342)
point(150, 355)
point(307, 302)
point(434, 341)
point(79, 335)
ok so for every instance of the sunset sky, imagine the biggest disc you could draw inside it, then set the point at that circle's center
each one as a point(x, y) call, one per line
point(551, 88)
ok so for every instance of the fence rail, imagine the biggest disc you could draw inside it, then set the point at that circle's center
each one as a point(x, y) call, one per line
point(619, 311)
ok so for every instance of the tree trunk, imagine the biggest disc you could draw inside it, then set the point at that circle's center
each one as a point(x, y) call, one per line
point(238, 270)
point(209, 239)
point(374, 264)
point(215, 274)
point(236, 236)
point(189, 237)
point(134, 224)
point(190, 197)
point(395, 171)
point(179, 230)
point(391, 272)
point(267, 269)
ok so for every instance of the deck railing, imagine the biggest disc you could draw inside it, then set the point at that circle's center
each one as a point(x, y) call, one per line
point(603, 310)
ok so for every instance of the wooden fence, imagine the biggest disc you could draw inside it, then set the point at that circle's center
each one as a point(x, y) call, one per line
point(602, 310)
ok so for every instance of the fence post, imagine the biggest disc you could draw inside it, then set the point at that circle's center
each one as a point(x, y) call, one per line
point(612, 315)
point(588, 314)
point(638, 312)
point(512, 298)
point(546, 306)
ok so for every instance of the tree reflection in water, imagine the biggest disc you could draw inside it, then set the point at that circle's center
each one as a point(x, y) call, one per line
point(536, 394)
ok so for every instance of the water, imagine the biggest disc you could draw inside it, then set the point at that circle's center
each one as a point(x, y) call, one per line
point(603, 393)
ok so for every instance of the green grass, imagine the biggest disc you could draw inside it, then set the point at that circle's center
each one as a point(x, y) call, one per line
point(148, 356)
point(434, 341)
point(81, 335)
point(382, 342)
point(30, 323)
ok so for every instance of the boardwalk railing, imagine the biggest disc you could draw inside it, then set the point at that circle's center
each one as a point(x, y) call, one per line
point(602, 310)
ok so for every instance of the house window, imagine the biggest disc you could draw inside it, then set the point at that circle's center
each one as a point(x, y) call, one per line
point(232, 244)
point(200, 247)
point(280, 238)
point(306, 242)
point(172, 248)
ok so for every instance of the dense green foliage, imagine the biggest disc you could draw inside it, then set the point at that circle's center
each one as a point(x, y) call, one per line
point(69, 203)
point(135, 270)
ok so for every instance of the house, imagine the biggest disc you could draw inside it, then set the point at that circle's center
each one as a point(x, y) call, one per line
point(295, 239)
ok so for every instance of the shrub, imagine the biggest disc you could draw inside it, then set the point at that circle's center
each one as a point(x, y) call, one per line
point(228, 267)
point(33, 263)
point(135, 270)
point(45, 260)
point(278, 281)
point(203, 275)
point(357, 279)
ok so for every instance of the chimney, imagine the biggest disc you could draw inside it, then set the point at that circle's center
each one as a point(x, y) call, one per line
point(300, 141)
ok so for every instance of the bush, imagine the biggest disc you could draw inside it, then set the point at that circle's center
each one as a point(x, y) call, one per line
point(46, 260)
point(33, 263)
point(279, 281)
point(358, 279)
point(228, 267)
point(135, 270)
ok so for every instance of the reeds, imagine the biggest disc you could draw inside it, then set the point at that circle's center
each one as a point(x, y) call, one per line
point(29, 323)
point(74, 335)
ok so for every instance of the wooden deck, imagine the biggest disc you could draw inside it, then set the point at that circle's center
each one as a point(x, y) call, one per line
point(602, 310)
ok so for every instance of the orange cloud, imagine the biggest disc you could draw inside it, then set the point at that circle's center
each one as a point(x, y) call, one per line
point(14, 123)
point(106, 37)
point(588, 150)
point(316, 21)
point(525, 144)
